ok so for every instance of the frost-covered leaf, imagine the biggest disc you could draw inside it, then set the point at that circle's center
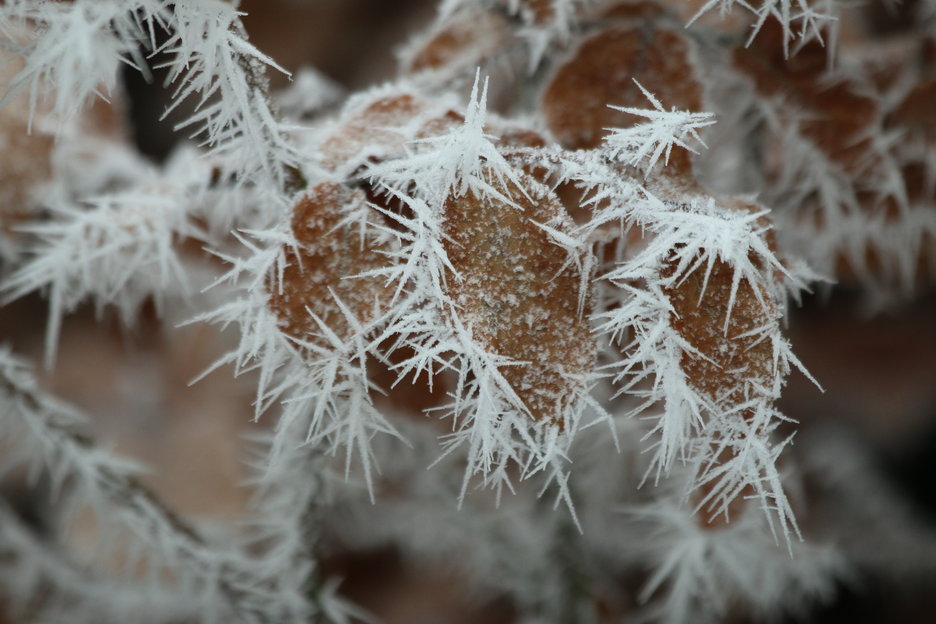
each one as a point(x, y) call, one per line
point(517, 293)
point(117, 250)
point(725, 323)
point(376, 125)
point(320, 283)
point(458, 43)
point(602, 72)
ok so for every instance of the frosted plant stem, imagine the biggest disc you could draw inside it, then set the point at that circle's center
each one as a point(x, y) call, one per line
point(31, 571)
point(49, 438)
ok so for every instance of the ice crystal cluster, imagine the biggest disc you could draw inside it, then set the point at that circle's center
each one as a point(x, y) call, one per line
point(521, 307)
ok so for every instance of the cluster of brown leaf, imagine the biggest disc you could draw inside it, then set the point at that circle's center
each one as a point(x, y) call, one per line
point(517, 287)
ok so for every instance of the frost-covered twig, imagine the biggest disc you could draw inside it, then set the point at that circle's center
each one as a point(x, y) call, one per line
point(48, 438)
point(77, 47)
point(41, 585)
point(291, 500)
point(211, 58)
point(120, 251)
point(74, 49)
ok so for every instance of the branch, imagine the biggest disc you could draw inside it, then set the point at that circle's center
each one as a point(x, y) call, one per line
point(45, 435)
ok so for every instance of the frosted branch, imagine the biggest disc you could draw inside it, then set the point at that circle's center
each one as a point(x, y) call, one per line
point(48, 438)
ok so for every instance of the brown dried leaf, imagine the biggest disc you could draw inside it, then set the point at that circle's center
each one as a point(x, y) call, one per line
point(24, 163)
point(729, 362)
point(25, 156)
point(731, 366)
point(328, 254)
point(461, 43)
point(518, 295)
point(602, 72)
point(838, 114)
point(917, 112)
point(380, 129)
point(633, 10)
point(367, 130)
